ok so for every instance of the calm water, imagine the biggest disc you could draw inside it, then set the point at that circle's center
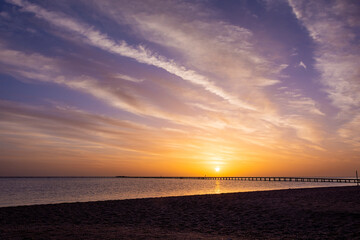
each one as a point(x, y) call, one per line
point(28, 191)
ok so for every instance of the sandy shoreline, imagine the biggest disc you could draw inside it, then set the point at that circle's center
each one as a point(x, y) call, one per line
point(316, 213)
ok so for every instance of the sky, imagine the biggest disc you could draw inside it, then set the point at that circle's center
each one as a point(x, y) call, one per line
point(179, 88)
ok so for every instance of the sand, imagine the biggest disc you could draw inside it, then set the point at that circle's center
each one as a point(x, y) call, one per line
point(317, 213)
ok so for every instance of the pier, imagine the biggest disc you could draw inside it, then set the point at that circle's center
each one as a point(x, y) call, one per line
point(270, 179)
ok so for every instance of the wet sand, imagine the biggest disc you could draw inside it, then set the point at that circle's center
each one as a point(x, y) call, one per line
point(318, 213)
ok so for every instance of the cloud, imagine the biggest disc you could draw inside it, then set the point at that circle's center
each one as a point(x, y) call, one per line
point(350, 132)
point(52, 129)
point(239, 66)
point(84, 130)
point(141, 102)
point(337, 53)
point(223, 51)
point(41, 68)
point(301, 64)
point(294, 102)
point(214, 89)
point(140, 53)
point(215, 47)
point(5, 15)
point(127, 78)
point(337, 57)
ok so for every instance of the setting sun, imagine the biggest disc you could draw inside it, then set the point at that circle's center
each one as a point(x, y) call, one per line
point(249, 101)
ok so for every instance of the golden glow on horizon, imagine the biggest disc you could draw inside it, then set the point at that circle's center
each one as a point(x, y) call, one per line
point(232, 106)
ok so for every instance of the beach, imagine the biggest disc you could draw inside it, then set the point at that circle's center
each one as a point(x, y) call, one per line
point(313, 213)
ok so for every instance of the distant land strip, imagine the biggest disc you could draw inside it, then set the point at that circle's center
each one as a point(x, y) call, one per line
point(279, 179)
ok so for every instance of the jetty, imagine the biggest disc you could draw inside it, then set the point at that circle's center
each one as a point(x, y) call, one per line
point(270, 179)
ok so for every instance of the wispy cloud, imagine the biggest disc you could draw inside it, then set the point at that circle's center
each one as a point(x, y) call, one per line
point(236, 61)
point(350, 132)
point(140, 53)
point(127, 78)
point(337, 55)
point(224, 51)
point(196, 85)
point(301, 64)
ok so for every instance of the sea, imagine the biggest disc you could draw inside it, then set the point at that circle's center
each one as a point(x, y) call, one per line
point(50, 190)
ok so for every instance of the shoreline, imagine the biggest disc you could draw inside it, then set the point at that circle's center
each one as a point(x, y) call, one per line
point(175, 196)
point(297, 213)
point(27, 192)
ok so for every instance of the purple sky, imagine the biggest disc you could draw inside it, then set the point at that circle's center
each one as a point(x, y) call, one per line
point(179, 87)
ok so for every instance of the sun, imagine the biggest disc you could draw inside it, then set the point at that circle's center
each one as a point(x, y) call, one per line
point(217, 169)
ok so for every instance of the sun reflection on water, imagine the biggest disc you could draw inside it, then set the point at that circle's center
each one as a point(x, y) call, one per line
point(217, 186)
